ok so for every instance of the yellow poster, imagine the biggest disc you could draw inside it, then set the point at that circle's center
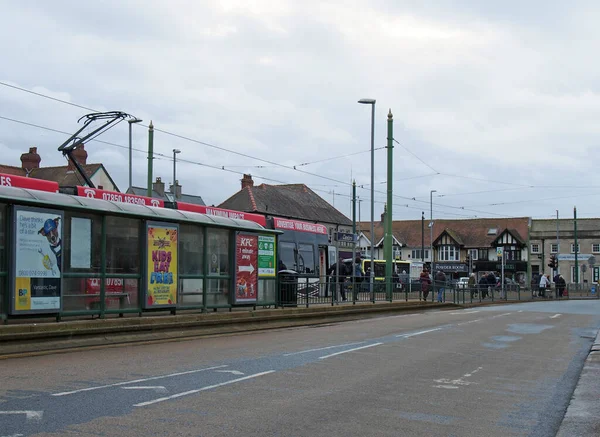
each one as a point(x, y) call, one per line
point(23, 298)
point(162, 266)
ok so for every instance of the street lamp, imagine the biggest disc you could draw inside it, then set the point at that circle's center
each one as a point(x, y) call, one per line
point(133, 120)
point(431, 229)
point(372, 103)
point(174, 186)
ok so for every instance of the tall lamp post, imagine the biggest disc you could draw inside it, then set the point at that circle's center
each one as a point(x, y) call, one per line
point(372, 103)
point(431, 229)
point(134, 120)
point(175, 152)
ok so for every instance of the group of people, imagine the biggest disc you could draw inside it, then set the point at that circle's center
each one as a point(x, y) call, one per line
point(545, 285)
point(343, 271)
point(439, 283)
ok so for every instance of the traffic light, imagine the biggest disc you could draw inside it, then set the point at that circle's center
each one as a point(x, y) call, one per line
point(553, 262)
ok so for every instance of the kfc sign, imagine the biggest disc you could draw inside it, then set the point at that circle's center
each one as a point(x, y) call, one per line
point(111, 196)
point(220, 212)
point(297, 225)
point(9, 180)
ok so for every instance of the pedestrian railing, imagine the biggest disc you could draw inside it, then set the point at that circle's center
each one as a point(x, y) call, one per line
point(341, 290)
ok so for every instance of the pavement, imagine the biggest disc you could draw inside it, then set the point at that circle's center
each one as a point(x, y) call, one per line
point(583, 415)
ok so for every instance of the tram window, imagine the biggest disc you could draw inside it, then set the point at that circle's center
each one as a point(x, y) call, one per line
point(287, 259)
point(82, 242)
point(191, 249)
point(218, 251)
point(379, 269)
point(122, 245)
point(306, 258)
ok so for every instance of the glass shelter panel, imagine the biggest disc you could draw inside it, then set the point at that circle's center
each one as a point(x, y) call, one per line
point(122, 245)
point(218, 251)
point(191, 249)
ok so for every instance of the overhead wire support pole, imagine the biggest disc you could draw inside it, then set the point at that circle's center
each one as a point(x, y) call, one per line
point(388, 241)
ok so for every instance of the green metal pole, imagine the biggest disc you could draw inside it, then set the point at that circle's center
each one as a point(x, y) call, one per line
point(354, 207)
point(150, 157)
point(576, 255)
point(388, 216)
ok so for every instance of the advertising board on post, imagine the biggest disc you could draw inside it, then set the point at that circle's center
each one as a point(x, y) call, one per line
point(266, 256)
point(162, 267)
point(37, 238)
point(246, 268)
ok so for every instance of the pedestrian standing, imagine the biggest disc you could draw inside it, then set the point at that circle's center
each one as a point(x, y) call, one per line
point(544, 284)
point(561, 284)
point(425, 281)
point(440, 283)
point(472, 284)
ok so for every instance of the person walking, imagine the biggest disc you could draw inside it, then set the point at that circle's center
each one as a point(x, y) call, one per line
point(440, 283)
point(337, 272)
point(425, 281)
point(483, 286)
point(544, 284)
point(492, 283)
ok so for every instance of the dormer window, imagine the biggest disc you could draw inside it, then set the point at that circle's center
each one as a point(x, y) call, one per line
point(492, 231)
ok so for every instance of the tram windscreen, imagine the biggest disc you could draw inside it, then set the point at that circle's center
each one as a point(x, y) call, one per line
point(306, 258)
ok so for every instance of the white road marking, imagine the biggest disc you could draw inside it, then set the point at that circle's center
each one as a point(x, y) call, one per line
point(350, 350)
point(555, 316)
point(456, 383)
point(417, 333)
point(520, 311)
point(13, 435)
point(156, 388)
point(322, 348)
point(501, 315)
point(210, 387)
point(470, 321)
point(135, 381)
point(233, 372)
point(29, 415)
point(465, 312)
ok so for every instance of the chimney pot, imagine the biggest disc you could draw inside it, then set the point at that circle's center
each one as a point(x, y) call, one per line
point(80, 156)
point(159, 187)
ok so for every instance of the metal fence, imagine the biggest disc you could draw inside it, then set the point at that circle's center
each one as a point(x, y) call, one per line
point(343, 290)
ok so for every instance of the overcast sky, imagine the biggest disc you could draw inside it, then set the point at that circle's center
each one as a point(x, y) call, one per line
point(496, 105)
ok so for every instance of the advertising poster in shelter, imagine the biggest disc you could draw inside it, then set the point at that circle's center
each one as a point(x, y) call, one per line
point(266, 256)
point(161, 289)
point(38, 266)
point(246, 268)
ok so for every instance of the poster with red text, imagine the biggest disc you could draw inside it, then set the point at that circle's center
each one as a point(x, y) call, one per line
point(246, 268)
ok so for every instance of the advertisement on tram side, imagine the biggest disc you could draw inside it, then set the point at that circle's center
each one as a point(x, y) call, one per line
point(162, 273)
point(246, 268)
point(37, 262)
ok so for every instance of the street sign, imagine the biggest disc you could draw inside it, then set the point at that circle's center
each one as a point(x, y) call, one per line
point(347, 237)
point(499, 252)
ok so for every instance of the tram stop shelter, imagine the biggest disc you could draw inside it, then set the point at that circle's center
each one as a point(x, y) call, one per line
point(63, 255)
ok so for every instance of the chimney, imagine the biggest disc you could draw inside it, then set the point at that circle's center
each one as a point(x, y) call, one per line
point(80, 156)
point(247, 181)
point(30, 160)
point(177, 190)
point(159, 187)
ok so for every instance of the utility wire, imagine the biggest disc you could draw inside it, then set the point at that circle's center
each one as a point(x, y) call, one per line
point(232, 151)
point(410, 151)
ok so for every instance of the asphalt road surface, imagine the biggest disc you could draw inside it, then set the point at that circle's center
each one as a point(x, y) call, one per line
point(491, 371)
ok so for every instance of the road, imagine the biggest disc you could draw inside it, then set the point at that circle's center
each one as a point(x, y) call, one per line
point(504, 370)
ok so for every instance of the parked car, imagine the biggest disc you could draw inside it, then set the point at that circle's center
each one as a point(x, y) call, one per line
point(462, 282)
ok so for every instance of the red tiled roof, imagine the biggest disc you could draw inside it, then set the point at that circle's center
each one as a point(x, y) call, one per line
point(472, 233)
point(9, 169)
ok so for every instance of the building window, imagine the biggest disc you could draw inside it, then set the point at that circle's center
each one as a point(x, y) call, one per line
point(473, 253)
point(416, 254)
point(535, 248)
point(595, 248)
point(512, 255)
point(448, 253)
point(554, 248)
point(573, 248)
point(492, 231)
point(483, 255)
